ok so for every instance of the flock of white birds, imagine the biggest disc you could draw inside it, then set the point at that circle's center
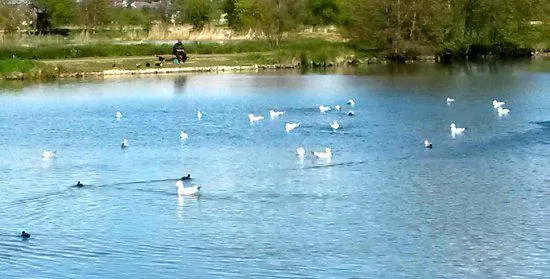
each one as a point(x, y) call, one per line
point(457, 131)
point(300, 151)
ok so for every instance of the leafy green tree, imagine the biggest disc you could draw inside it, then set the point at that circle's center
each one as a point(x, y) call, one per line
point(95, 12)
point(323, 12)
point(401, 27)
point(229, 7)
point(198, 12)
point(273, 18)
point(59, 12)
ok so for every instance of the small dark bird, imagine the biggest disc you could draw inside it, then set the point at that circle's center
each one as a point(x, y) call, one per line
point(161, 58)
point(25, 234)
point(186, 177)
point(138, 65)
point(351, 113)
point(78, 184)
point(147, 64)
point(158, 64)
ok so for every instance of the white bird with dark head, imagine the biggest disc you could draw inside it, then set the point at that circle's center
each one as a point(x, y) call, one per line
point(455, 130)
point(183, 135)
point(427, 144)
point(274, 114)
point(323, 155)
point(301, 152)
point(187, 191)
point(124, 143)
point(351, 102)
point(46, 154)
point(291, 126)
point(335, 125)
point(502, 111)
point(323, 109)
point(450, 100)
point(497, 104)
point(252, 118)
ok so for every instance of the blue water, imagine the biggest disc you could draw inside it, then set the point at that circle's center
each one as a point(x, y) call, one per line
point(477, 206)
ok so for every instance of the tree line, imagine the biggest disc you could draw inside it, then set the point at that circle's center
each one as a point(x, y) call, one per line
point(398, 28)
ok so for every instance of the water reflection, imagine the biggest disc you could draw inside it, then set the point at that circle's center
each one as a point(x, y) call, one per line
point(179, 84)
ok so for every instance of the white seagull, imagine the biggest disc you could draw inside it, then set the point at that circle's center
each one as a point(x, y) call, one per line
point(455, 130)
point(46, 154)
point(323, 155)
point(274, 114)
point(450, 100)
point(502, 111)
point(124, 143)
point(335, 125)
point(300, 151)
point(183, 135)
point(497, 104)
point(427, 144)
point(291, 126)
point(187, 191)
point(199, 115)
point(118, 115)
point(253, 118)
point(351, 102)
point(323, 108)
point(337, 107)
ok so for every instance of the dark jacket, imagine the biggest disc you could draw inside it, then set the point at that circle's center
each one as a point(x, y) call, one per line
point(177, 47)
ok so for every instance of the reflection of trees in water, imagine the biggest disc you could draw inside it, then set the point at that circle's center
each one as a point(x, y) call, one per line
point(179, 84)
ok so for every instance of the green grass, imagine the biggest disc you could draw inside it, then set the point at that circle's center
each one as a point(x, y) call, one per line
point(15, 65)
point(113, 50)
point(54, 60)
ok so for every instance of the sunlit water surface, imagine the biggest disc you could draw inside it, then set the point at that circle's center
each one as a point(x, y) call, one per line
point(477, 206)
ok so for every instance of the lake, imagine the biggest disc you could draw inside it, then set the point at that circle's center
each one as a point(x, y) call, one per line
point(476, 206)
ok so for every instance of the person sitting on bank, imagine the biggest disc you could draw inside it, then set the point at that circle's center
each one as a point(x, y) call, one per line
point(179, 52)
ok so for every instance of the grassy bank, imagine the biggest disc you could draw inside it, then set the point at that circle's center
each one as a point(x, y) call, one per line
point(59, 60)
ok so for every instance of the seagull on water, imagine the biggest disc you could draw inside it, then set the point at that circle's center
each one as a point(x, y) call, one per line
point(427, 144)
point(118, 115)
point(187, 191)
point(199, 115)
point(323, 155)
point(124, 143)
point(502, 111)
point(323, 109)
point(455, 130)
point(351, 113)
point(291, 126)
point(46, 154)
point(497, 104)
point(450, 100)
point(301, 152)
point(274, 114)
point(351, 102)
point(335, 125)
point(337, 107)
point(253, 118)
point(183, 135)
